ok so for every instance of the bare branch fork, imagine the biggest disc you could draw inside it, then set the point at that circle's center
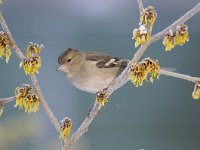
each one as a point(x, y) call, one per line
point(112, 87)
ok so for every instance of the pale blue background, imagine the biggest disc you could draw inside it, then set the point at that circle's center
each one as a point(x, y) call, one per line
point(159, 116)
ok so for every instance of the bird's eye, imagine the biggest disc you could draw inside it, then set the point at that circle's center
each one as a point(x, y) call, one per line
point(69, 60)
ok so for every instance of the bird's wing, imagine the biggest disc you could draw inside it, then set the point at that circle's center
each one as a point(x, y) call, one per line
point(105, 61)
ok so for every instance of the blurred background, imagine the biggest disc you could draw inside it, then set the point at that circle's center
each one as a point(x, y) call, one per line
point(159, 116)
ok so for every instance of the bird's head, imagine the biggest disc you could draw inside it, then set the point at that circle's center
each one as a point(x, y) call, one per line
point(69, 61)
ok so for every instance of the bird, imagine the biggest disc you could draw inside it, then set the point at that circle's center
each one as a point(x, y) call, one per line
point(90, 71)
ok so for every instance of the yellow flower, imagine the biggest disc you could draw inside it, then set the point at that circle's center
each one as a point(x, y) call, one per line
point(65, 128)
point(20, 92)
point(1, 110)
point(196, 92)
point(102, 97)
point(169, 40)
point(140, 71)
point(31, 65)
point(137, 75)
point(1, 51)
point(25, 97)
point(33, 49)
point(182, 35)
point(152, 67)
point(4, 46)
point(148, 17)
point(1, 2)
point(177, 37)
point(35, 101)
point(141, 35)
point(19, 101)
point(8, 53)
point(31, 103)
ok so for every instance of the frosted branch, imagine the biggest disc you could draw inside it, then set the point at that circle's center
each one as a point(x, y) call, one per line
point(140, 5)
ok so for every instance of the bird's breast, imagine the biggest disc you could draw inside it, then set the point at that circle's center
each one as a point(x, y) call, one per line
point(91, 79)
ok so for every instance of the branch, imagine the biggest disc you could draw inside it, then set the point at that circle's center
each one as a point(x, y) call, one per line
point(140, 4)
point(124, 75)
point(180, 76)
point(16, 49)
point(7, 100)
point(84, 126)
point(180, 21)
point(48, 111)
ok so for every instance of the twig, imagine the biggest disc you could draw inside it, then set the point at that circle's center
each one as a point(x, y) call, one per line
point(180, 21)
point(180, 76)
point(16, 49)
point(124, 75)
point(48, 111)
point(140, 4)
point(84, 126)
point(7, 100)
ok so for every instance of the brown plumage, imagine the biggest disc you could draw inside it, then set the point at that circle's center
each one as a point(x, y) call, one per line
point(90, 71)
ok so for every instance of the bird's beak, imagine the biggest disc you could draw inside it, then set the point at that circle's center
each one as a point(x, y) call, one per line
point(60, 68)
